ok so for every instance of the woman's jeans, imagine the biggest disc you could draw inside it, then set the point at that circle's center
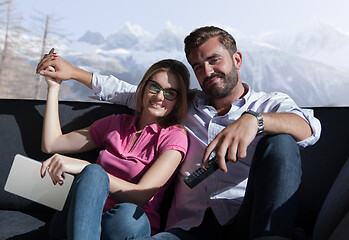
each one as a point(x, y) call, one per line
point(82, 216)
point(270, 204)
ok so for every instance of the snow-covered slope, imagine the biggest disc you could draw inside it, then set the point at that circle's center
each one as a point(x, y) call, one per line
point(316, 40)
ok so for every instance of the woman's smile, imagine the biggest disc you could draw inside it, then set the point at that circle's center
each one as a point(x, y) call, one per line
point(156, 105)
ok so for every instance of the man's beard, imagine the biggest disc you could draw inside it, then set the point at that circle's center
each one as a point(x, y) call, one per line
point(222, 89)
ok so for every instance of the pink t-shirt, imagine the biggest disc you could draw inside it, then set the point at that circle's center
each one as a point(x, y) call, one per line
point(115, 133)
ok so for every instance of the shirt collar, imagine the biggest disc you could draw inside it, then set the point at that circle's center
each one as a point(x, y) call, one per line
point(154, 126)
point(202, 99)
point(241, 101)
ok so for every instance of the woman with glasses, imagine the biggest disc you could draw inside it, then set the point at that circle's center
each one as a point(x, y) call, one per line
point(119, 197)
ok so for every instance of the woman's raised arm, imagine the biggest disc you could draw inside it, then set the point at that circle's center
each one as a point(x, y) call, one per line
point(53, 140)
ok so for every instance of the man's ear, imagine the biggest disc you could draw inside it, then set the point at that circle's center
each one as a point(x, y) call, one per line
point(237, 58)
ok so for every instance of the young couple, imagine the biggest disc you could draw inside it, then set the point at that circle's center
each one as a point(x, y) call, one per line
point(255, 194)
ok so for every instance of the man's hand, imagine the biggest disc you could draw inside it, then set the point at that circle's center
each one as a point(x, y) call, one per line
point(43, 62)
point(233, 141)
point(63, 69)
point(235, 138)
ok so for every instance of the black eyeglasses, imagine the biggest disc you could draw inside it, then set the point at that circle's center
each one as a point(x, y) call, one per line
point(169, 93)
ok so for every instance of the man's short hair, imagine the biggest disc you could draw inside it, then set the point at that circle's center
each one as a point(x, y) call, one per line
point(200, 35)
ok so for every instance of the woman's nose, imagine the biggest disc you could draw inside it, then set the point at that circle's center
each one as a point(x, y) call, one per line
point(160, 95)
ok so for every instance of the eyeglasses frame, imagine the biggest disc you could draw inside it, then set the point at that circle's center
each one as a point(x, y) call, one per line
point(162, 89)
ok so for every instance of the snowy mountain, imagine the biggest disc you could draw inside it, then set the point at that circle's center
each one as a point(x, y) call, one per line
point(129, 37)
point(168, 40)
point(308, 63)
point(317, 40)
point(309, 83)
point(133, 37)
point(94, 38)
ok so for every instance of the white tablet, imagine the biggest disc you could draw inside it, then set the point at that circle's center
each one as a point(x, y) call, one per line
point(25, 180)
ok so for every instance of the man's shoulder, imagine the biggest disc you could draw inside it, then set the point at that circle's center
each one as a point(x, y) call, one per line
point(268, 95)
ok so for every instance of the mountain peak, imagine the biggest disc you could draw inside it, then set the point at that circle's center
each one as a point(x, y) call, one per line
point(94, 38)
point(316, 40)
point(134, 30)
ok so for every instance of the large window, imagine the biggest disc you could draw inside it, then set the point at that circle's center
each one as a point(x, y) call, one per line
point(307, 60)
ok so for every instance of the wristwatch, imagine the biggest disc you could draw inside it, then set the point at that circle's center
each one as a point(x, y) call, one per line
point(259, 119)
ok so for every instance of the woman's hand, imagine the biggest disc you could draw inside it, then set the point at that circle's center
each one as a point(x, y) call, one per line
point(59, 164)
point(52, 82)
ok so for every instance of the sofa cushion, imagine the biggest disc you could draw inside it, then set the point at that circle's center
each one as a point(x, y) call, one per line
point(26, 226)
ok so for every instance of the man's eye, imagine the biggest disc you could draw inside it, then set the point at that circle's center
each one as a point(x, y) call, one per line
point(213, 60)
point(197, 68)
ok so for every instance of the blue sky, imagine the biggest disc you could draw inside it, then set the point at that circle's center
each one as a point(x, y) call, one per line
point(251, 17)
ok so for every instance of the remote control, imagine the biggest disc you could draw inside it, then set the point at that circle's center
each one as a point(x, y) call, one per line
point(201, 173)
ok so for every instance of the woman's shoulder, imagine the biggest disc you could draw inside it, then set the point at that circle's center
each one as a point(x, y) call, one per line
point(177, 128)
point(121, 117)
point(174, 137)
point(115, 120)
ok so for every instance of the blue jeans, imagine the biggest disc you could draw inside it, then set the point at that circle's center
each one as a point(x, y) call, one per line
point(82, 216)
point(270, 205)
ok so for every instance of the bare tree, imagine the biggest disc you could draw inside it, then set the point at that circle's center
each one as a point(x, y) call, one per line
point(44, 43)
point(6, 22)
point(45, 30)
point(18, 54)
point(15, 73)
point(12, 29)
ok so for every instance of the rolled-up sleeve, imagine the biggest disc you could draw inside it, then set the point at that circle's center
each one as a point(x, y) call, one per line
point(308, 115)
point(280, 102)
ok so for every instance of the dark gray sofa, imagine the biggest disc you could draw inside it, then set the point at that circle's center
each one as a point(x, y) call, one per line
point(20, 132)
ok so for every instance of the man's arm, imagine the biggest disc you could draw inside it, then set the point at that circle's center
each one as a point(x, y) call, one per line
point(106, 88)
point(112, 89)
point(287, 123)
point(63, 69)
point(235, 138)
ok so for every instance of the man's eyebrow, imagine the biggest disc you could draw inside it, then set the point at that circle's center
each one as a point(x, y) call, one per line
point(213, 56)
point(195, 64)
point(207, 59)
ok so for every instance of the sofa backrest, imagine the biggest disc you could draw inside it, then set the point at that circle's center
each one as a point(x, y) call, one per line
point(322, 162)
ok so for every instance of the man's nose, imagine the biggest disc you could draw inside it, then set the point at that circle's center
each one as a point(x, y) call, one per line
point(208, 69)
